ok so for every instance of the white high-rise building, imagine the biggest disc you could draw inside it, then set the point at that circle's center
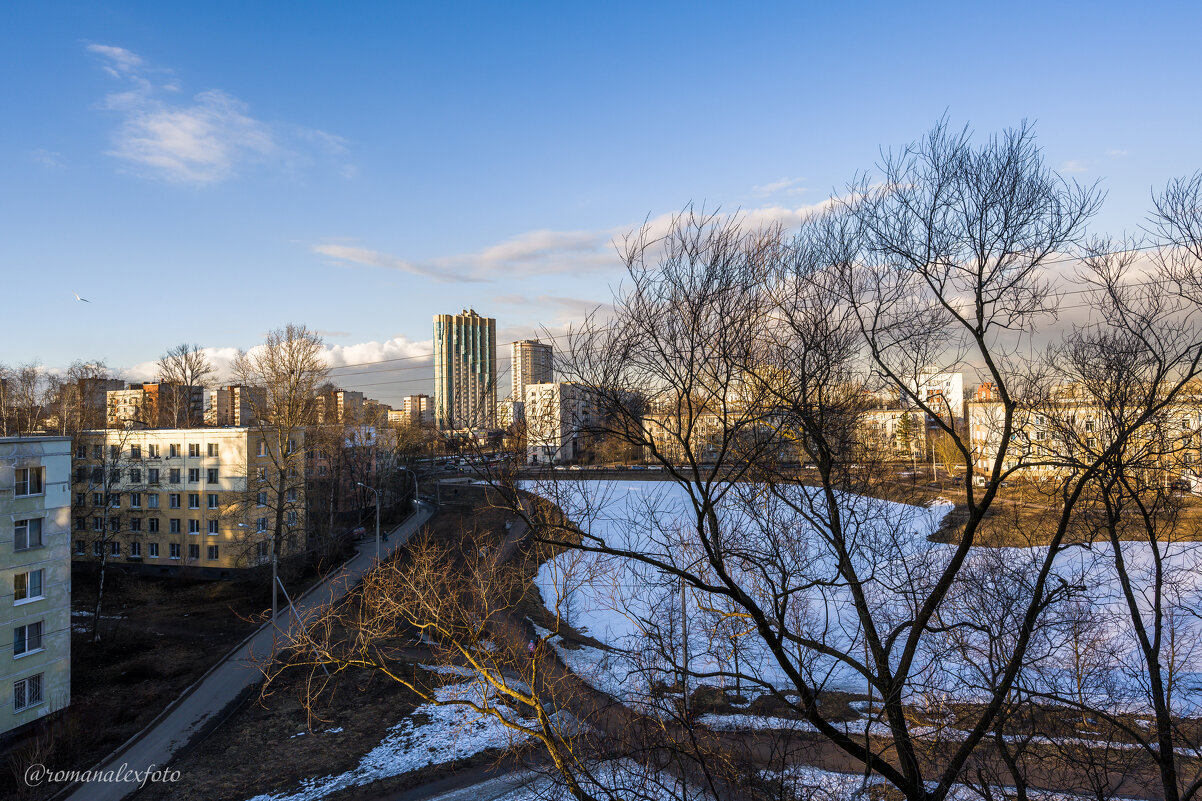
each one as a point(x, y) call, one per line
point(465, 371)
point(558, 415)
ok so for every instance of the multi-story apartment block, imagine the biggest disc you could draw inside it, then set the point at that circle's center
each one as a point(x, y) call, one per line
point(532, 364)
point(943, 392)
point(155, 406)
point(340, 407)
point(35, 562)
point(559, 417)
point(465, 371)
point(203, 498)
point(235, 405)
point(416, 410)
point(893, 433)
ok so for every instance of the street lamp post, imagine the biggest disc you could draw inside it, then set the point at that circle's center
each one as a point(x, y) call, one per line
point(415, 488)
point(275, 581)
point(377, 496)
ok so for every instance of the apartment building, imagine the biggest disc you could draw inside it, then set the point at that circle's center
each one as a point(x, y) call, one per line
point(416, 410)
point(201, 498)
point(235, 405)
point(155, 406)
point(531, 364)
point(465, 371)
point(35, 562)
point(559, 417)
point(340, 407)
point(892, 433)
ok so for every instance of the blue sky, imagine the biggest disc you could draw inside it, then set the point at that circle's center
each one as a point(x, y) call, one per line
point(204, 173)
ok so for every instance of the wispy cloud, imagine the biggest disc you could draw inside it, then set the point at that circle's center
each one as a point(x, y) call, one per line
point(788, 185)
point(1074, 166)
point(203, 140)
point(1115, 153)
point(349, 254)
point(48, 158)
point(547, 252)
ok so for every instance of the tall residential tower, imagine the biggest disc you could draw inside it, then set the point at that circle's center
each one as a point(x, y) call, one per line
point(531, 365)
point(465, 370)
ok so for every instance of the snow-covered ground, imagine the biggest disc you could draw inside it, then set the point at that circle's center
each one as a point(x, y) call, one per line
point(635, 608)
point(432, 734)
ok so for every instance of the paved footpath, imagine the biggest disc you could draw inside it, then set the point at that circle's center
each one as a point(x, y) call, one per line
point(203, 703)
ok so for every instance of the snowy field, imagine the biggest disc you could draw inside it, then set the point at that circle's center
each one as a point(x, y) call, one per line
point(631, 606)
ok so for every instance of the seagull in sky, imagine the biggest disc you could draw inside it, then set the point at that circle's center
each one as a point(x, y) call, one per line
point(77, 297)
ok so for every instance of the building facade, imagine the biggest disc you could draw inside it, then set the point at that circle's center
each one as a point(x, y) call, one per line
point(202, 498)
point(532, 364)
point(559, 417)
point(155, 406)
point(35, 561)
point(465, 371)
point(235, 405)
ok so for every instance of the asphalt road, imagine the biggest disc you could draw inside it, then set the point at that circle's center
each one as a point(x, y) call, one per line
point(202, 705)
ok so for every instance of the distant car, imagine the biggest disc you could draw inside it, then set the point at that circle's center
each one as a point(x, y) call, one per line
point(359, 532)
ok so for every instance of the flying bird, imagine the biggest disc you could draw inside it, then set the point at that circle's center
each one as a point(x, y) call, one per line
point(77, 297)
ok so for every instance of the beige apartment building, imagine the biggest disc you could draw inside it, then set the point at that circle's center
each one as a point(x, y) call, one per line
point(532, 364)
point(235, 405)
point(559, 417)
point(35, 562)
point(198, 498)
point(155, 406)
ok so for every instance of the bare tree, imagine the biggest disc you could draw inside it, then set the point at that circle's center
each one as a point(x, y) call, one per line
point(182, 368)
point(290, 368)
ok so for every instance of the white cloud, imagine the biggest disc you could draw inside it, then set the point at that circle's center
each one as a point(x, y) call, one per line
point(203, 140)
point(1074, 166)
point(1115, 153)
point(547, 252)
point(779, 185)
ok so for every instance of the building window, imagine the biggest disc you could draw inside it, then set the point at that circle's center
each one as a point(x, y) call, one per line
point(261, 473)
point(292, 518)
point(193, 475)
point(81, 451)
point(81, 547)
point(153, 549)
point(28, 481)
point(194, 552)
point(114, 548)
point(135, 500)
point(135, 550)
point(193, 526)
point(173, 476)
point(193, 500)
point(81, 524)
point(212, 449)
point(264, 550)
point(27, 534)
point(98, 524)
point(212, 477)
point(98, 549)
point(114, 452)
point(152, 451)
point(27, 586)
point(173, 451)
point(135, 476)
point(152, 475)
point(135, 451)
point(152, 525)
point(174, 526)
point(213, 500)
point(262, 499)
point(152, 501)
point(175, 550)
point(212, 552)
point(292, 494)
point(114, 500)
point(27, 638)
point(135, 524)
point(173, 500)
point(262, 447)
point(194, 450)
point(27, 693)
point(212, 526)
point(261, 524)
point(98, 499)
